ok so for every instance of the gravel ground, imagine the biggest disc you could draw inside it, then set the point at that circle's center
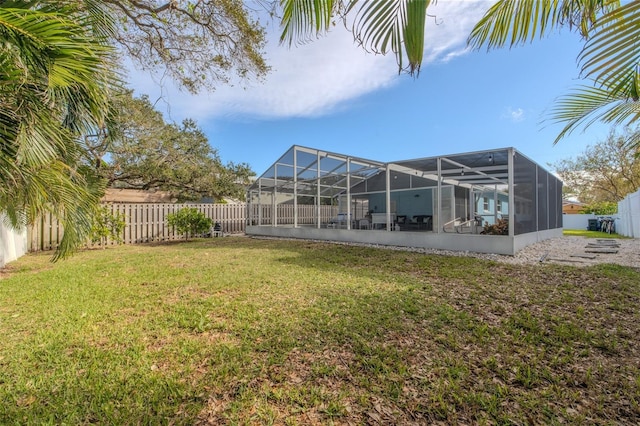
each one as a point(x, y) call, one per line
point(573, 251)
point(566, 250)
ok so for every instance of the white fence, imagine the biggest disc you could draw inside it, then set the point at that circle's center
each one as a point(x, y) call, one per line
point(628, 217)
point(147, 222)
point(577, 221)
point(144, 223)
point(627, 220)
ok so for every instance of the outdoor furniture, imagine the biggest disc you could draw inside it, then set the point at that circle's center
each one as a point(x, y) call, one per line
point(470, 226)
point(378, 219)
point(424, 221)
point(340, 222)
point(216, 230)
point(451, 225)
point(466, 227)
point(364, 224)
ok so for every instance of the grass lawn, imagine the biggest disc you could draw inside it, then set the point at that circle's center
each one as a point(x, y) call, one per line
point(244, 331)
point(590, 234)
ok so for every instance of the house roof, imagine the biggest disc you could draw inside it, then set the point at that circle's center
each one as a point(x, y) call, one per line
point(122, 195)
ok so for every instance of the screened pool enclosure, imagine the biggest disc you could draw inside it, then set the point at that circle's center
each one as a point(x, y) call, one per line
point(495, 201)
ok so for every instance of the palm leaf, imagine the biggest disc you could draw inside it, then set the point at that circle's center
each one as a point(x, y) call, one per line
point(380, 26)
point(513, 22)
point(612, 55)
point(588, 105)
point(55, 78)
point(303, 20)
point(393, 25)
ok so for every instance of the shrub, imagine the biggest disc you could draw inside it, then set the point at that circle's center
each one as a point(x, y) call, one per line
point(106, 226)
point(601, 208)
point(189, 221)
point(501, 227)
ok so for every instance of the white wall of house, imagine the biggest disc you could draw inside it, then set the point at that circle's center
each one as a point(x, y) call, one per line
point(13, 243)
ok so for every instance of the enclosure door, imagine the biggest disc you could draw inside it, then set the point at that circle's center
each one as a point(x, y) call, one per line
point(447, 206)
point(463, 206)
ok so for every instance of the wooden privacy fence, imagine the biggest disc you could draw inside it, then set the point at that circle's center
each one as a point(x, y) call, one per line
point(147, 222)
point(144, 223)
point(262, 214)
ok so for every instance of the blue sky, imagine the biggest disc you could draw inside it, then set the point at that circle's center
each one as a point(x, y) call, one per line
point(331, 95)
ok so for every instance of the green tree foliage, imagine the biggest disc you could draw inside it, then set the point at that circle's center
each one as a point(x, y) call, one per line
point(604, 172)
point(58, 74)
point(145, 152)
point(189, 221)
point(602, 208)
point(55, 78)
point(107, 226)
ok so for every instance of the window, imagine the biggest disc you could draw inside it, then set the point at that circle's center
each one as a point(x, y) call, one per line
point(499, 207)
point(485, 203)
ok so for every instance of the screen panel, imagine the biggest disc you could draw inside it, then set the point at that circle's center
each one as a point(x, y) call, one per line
point(524, 191)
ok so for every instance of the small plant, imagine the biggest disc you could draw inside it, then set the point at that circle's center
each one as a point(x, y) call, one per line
point(601, 208)
point(189, 221)
point(501, 227)
point(107, 225)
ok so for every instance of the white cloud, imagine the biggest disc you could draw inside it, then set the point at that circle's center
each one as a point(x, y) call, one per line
point(516, 115)
point(450, 25)
point(311, 79)
point(307, 80)
point(319, 77)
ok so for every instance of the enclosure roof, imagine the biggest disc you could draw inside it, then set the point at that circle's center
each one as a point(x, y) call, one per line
point(490, 167)
point(480, 168)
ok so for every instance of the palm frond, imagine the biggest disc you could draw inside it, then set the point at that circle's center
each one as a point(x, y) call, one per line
point(393, 25)
point(588, 105)
point(612, 55)
point(55, 79)
point(70, 195)
point(93, 14)
point(303, 20)
point(379, 26)
point(513, 22)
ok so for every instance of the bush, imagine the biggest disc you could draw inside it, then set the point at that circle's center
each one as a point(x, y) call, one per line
point(601, 208)
point(107, 226)
point(501, 227)
point(189, 221)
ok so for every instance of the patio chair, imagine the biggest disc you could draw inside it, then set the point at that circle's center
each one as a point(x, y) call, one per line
point(364, 224)
point(216, 230)
point(428, 223)
point(466, 227)
point(423, 221)
point(451, 225)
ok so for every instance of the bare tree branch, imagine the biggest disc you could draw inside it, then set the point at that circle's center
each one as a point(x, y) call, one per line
point(200, 44)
